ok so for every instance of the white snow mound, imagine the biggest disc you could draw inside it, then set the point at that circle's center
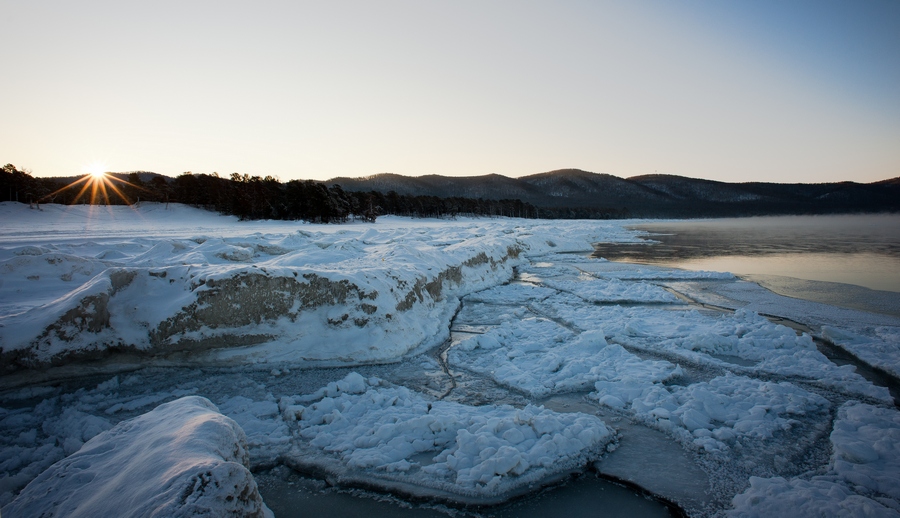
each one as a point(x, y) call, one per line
point(182, 459)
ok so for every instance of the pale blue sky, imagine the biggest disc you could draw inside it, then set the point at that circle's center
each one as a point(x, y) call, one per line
point(763, 90)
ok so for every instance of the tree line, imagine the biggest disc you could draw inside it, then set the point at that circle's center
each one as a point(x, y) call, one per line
point(254, 197)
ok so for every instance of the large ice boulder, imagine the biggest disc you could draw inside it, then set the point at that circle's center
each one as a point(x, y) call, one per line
point(183, 458)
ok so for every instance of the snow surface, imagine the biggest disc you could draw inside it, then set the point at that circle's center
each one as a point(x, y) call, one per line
point(144, 306)
point(182, 459)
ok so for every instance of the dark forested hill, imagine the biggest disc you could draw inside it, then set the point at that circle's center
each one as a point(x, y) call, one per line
point(577, 193)
point(490, 187)
point(565, 193)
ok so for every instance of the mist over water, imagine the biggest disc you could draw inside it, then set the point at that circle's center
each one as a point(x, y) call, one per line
point(847, 260)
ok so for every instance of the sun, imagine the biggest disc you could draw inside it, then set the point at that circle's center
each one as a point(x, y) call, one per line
point(96, 170)
point(97, 185)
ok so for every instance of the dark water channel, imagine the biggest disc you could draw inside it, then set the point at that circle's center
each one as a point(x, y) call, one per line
point(587, 495)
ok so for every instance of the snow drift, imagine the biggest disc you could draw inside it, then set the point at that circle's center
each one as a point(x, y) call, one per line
point(182, 459)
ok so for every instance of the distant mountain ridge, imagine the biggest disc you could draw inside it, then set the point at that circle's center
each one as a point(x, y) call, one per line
point(574, 193)
point(655, 195)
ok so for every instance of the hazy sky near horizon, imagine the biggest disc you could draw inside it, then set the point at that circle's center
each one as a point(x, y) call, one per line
point(763, 90)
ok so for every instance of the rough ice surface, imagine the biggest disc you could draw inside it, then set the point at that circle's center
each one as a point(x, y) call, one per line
point(477, 451)
point(540, 357)
point(871, 337)
point(142, 306)
point(182, 459)
point(866, 443)
point(743, 341)
point(353, 294)
point(862, 480)
point(722, 411)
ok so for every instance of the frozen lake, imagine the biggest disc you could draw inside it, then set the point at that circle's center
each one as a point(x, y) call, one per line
point(486, 367)
point(851, 260)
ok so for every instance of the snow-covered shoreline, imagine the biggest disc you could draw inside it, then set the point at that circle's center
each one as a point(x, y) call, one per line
point(247, 313)
point(356, 294)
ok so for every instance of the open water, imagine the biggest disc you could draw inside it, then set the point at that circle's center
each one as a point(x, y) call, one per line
point(848, 260)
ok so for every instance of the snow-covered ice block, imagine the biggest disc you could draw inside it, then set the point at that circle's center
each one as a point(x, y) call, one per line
point(183, 458)
point(866, 442)
point(777, 497)
point(540, 357)
point(862, 480)
point(302, 297)
point(878, 346)
point(390, 433)
point(727, 408)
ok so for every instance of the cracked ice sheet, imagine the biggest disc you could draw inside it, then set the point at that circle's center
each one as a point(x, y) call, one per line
point(715, 415)
point(871, 337)
point(145, 270)
point(390, 433)
point(540, 357)
point(879, 346)
point(612, 290)
point(624, 271)
point(570, 277)
point(701, 337)
point(862, 479)
point(517, 294)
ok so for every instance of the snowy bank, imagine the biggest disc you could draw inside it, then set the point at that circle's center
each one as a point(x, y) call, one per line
point(182, 459)
point(299, 293)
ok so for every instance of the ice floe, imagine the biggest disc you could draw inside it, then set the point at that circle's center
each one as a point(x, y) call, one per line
point(540, 357)
point(719, 412)
point(862, 480)
point(393, 433)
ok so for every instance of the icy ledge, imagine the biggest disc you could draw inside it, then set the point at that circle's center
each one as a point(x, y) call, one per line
point(366, 431)
point(283, 308)
point(182, 459)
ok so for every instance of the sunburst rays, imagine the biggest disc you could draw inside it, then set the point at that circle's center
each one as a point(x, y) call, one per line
point(97, 186)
